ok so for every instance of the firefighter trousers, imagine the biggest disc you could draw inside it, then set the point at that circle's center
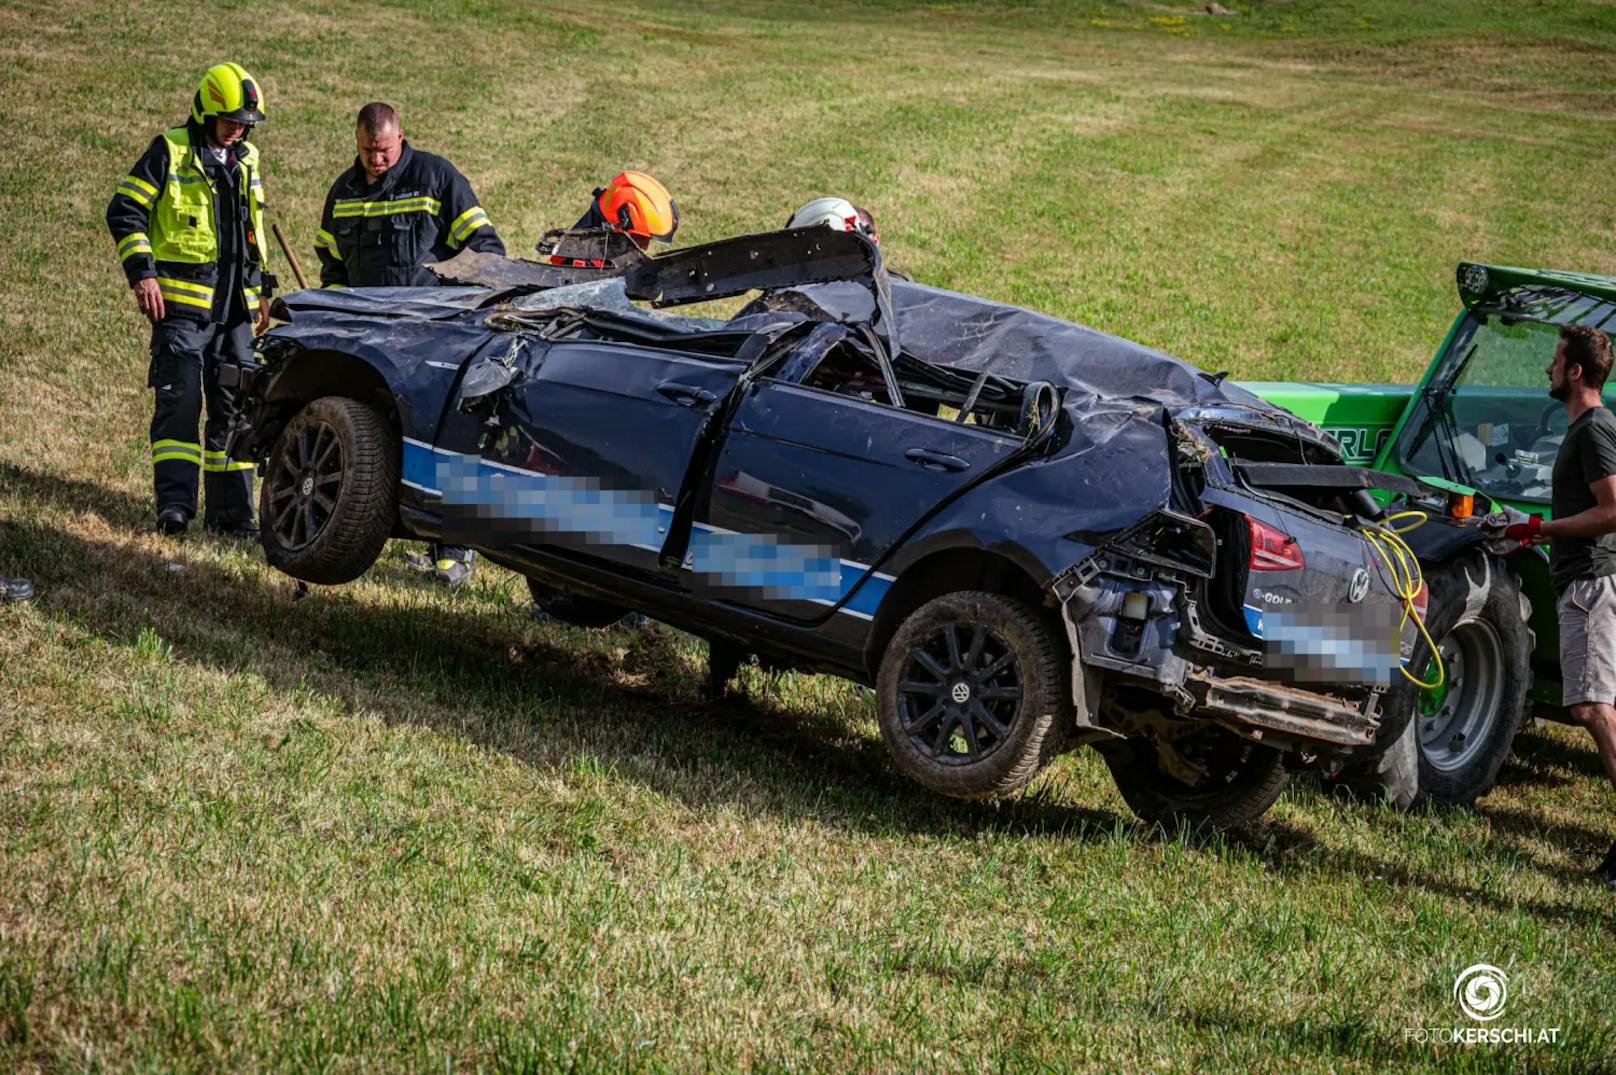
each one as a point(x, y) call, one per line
point(185, 358)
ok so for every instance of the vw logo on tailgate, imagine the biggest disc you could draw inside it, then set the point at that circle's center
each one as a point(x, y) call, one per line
point(1360, 586)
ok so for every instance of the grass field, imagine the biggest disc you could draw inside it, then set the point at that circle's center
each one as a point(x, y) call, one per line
point(395, 827)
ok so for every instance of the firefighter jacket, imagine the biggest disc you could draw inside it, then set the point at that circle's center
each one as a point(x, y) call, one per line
point(379, 235)
point(191, 230)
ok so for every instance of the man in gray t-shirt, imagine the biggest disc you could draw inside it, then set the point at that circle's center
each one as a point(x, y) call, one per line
point(1583, 532)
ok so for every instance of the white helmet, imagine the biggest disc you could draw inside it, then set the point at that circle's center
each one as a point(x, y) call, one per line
point(838, 213)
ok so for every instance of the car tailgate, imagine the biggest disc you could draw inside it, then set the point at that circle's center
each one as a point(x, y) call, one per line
point(1316, 593)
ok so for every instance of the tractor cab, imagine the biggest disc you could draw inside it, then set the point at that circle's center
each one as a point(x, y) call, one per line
point(1483, 417)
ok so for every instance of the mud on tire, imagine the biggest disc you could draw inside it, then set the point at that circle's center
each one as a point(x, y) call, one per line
point(330, 494)
point(971, 695)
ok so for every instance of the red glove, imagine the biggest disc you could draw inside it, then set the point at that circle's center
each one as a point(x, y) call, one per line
point(1526, 532)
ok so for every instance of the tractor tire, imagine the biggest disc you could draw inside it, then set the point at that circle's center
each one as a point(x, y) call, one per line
point(329, 498)
point(971, 696)
point(1459, 735)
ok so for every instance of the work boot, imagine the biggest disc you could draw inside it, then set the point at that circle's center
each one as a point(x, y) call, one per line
point(15, 590)
point(451, 571)
point(241, 531)
point(172, 521)
point(451, 564)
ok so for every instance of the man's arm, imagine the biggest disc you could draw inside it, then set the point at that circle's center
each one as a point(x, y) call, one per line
point(333, 273)
point(129, 221)
point(1596, 521)
point(466, 224)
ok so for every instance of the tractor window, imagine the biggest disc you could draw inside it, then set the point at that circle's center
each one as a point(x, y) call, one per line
point(1496, 428)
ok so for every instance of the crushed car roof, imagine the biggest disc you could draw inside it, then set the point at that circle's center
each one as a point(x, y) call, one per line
point(819, 274)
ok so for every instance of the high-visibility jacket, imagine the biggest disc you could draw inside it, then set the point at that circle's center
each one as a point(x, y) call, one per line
point(381, 234)
point(165, 219)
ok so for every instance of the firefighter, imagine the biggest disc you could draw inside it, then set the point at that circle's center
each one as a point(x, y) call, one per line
point(838, 213)
point(188, 221)
point(396, 209)
point(393, 211)
point(634, 204)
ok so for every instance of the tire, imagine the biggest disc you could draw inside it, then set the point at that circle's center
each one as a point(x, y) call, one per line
point(572, 609)
point(971, 695)
point(1462, 732)
point(1393, 778)
point(330, 496)
point(1244, 779)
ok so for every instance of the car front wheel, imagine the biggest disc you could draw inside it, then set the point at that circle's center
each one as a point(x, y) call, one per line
point(330, 495)
point(971, 695)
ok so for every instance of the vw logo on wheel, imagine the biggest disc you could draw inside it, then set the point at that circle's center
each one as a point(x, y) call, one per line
point(961, 693)
point(1360, 586)
point(307, 488)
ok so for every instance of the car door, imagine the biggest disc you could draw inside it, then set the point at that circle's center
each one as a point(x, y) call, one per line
point(818, 476)
point(588, 449)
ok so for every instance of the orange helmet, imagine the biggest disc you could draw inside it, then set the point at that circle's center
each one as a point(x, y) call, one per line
point(635, 203)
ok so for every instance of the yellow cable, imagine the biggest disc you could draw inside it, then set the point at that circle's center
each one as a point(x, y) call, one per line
point(1403, 567)
point(1419, 518)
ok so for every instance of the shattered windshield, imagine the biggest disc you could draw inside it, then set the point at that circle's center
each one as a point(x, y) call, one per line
point(609, 296)
point(1494, 427)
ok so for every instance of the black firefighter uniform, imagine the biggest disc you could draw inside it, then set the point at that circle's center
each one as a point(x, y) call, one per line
point(381, 235)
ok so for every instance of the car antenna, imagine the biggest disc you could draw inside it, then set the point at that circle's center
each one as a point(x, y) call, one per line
point(1216, 378)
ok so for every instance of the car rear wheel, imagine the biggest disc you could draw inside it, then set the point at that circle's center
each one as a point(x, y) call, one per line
point(971, 695)
point(1242, 780)
point(1460, 732)
point(330, 496)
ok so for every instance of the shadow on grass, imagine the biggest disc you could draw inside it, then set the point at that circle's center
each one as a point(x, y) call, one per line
point(1540, 759)
point(467, 671)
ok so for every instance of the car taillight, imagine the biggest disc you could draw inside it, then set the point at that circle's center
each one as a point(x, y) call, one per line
point(1422, 600)
point(1272, 549)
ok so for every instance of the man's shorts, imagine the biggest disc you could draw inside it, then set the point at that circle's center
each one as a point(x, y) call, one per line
point(1588, 641)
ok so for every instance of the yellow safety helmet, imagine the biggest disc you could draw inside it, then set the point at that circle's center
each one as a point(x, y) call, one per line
point(228, 91)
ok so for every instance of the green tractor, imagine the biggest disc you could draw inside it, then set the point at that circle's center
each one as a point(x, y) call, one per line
point(1479, 422)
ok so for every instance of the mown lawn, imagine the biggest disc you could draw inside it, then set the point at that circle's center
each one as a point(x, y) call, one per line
point(390, 826)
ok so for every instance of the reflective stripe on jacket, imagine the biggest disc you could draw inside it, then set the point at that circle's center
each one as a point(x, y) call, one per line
point(381, 234)
point(164, 219)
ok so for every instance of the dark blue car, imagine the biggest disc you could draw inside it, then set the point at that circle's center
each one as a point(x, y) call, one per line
point(1023, 533)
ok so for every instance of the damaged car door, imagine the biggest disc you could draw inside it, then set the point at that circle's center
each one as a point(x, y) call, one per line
point(821, 471)
point(588, 449)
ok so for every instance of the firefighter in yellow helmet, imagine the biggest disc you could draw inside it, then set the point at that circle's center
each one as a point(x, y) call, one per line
point(188, 222)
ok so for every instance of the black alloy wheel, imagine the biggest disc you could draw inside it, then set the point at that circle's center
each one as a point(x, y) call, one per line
point(329, 499)
point(960, 692)
point(305, 487)
point(972, 695)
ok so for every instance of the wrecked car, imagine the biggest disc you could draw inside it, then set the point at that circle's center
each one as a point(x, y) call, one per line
point(1025, 534)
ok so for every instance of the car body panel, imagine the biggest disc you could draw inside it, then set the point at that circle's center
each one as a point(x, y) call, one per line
point(736, 482)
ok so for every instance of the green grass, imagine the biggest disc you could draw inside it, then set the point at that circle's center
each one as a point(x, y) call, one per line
point(392, 827)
